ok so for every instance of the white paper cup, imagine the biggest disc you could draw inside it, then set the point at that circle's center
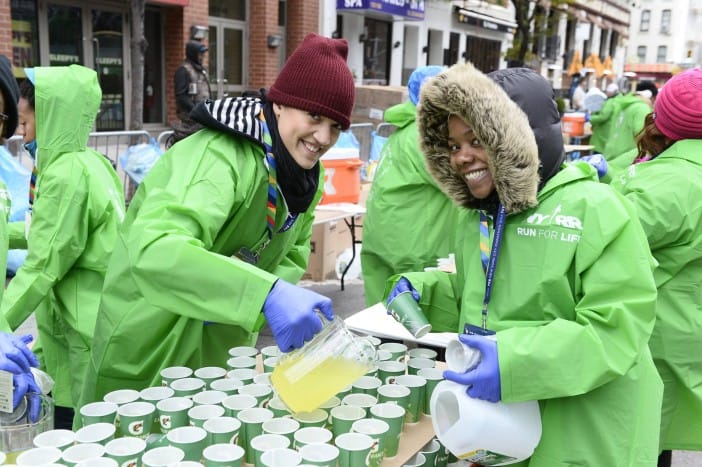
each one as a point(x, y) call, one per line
point(320, 454)
point(100, 433)
point(222, 454)
point(201, 413)
point(163, 456)
point(422, 352)
point(126, 451)
point(98, 412)
point(156, 393)
point(271, 351)
point(269, 363)
point(172, 373)
point(243, 351)
point(245, 375)
point(263, 378)
point(284, 457)
point(343, 417)
point(285, 426)
point(360, 400)
point(262, 392)
point(82, 452)
point(210, 373)
point(311, 435)
point(379, 431)
point(187, 387)
point(267, 442)
point(366, 385)
point(54, 438)
point(354, 449)
point(209, 397)
point(39, 456)
point(121, 396)
point(173, 412)
point(397, 350)
point(222, 429)
point(191, 439)
point(98, 462)
point(229, 386)
point(316, 417)
point(236, 363)
point(418, 460)
point(238, 402)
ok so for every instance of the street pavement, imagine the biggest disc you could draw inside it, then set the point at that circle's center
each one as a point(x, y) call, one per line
point(352, 300)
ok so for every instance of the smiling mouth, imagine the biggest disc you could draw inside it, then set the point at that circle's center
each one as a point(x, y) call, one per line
point(470, 176)
point(314, 149)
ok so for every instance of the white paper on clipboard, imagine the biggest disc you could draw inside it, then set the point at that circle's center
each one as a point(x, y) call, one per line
point(376, 321)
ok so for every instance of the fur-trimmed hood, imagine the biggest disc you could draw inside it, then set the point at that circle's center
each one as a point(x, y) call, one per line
point(507, 111)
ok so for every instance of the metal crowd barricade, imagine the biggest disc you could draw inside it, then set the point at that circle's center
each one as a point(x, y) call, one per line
point(114, 143)
point(385, 129)
point(162, 139)
point(363, 133)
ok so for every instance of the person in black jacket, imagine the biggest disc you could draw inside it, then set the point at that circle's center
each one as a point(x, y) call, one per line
point(191, 82)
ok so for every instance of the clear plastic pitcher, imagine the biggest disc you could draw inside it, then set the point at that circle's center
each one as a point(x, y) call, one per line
point(18, 435)
point(309, 376)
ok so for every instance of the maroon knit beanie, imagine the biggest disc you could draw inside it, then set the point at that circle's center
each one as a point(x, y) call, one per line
point(678, 107)
point(317, 79)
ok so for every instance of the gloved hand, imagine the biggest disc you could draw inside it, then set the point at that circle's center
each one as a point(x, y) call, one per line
point(403, 285)
point(15, 356)
point(24, 384)
point(291, 314)
point(598, 162)
point(483, 381)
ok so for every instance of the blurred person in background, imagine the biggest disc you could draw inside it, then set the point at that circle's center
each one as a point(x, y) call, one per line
point(666, 191)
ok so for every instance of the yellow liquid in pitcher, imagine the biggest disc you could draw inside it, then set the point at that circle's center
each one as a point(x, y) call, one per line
point(318, 385)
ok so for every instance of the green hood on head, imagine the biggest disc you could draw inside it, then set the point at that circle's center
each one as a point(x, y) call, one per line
point(66, 103)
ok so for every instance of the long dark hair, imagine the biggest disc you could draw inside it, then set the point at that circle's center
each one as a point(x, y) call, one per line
point(650, 142)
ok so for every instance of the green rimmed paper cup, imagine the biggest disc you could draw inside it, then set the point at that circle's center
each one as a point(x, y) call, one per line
point(187, 387)
point(285, 426)
point(419, 363)
point(354, 449)
point(433, 376)
point(417, 386)
point(267, 442)
point(172, 373)
point(278, 407)
point(39, 456)
point(322, 454)
point(238, 402)
point(251, 426)
point(81, 452)
point(245, 375)
point(100, 433)
point(394, 416)
point(406, 311)
point(98, 412)
point(360, 400)
point(377, 429)
point(163, 456)
point(243, 351)
point(136, 418)
point(418, 460)
point(343, 416)
point(223, 455)
point(58, 438)
point(311, 435)
point(262, 392)
point(126, 451)
point(316, 417)
point(236, 363)
point(173, 412)
point(398, 350)
point(191, 439)
point(222, 429)
point(431, 451)
point(394, 393)
point(209, 397)
point(229, 386)
point(422, 352)
point(210, 373)
point(199, 414)
point(388, 370)
point(284, 457)
point(366, 385)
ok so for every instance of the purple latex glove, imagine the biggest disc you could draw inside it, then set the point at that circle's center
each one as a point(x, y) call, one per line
point(598, 162)
point(403, 285)
point(15, 356)
point(483, 381)
point(291, 312)
point(24, 384)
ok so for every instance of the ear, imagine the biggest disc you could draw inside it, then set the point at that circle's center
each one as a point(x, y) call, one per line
point(277, 108)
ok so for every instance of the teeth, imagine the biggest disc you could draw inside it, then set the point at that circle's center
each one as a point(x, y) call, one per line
point(311, 148)
point(475, 175)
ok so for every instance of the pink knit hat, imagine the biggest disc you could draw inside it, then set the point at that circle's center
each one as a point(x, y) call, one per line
point(317, 79)
point(678, 107)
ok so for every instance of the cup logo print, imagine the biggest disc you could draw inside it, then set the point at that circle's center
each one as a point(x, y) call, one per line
point(235, 439)
point(374, 456)
point(165, 421)
point(136, 428)
point(129, 463)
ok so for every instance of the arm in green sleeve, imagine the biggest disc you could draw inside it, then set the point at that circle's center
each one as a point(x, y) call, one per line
point(16, 235)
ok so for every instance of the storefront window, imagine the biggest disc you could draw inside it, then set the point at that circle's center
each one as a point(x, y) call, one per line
point(65, 35)
point(25, 38)
point(230, 9)
point(376, 51)
point(108, 53)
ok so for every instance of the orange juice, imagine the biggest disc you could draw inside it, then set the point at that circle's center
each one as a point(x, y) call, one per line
point(304, 386)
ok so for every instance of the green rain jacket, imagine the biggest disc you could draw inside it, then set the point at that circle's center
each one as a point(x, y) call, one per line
point(176, 293)
point(78, 206)
point(397, 234)
point(573, 299)
point(626, 124)
point(667, 194)
point(4, 243)
point(603, 121)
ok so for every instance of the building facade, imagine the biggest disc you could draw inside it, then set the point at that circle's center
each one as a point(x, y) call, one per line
point(249, 40)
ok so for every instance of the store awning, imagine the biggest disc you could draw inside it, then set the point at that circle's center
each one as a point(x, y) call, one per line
point(169, 2)
point(411, 10)
point(649, 67)
point(484, 21)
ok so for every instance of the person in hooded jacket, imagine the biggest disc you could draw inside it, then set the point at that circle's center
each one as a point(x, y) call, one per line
point(76, 206)
point(571, 296)
point(219, 230)
point(665, 189)
point(402, 192)
point(190, 81)
point(15, 355)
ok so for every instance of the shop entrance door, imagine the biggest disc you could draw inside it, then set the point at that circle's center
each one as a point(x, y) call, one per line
point(227, 57)
point(93, 37)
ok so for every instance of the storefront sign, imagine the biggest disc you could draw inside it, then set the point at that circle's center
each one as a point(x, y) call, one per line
point(484, 21)
point(408, 9)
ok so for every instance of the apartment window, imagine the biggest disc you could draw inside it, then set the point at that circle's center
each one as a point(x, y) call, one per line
point(645, 20)
point(662, 54)
point(665, 21)
point(641, 53)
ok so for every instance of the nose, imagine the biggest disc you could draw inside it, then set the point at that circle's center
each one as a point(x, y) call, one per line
point(323, 135)
point(464, 155)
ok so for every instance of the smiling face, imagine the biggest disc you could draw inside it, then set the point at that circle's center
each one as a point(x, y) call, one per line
point(306, 136)
point(469, 158)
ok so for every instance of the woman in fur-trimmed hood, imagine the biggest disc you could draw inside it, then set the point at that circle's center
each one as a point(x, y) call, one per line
point(572, 324)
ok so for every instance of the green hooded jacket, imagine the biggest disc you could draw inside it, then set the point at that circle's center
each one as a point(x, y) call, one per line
point(409, 221)
point(176, 292)
point(603, 121)
point(667, 195)
point(78, 206)
point(573, 297)
point(4, 243)
point(625, 125)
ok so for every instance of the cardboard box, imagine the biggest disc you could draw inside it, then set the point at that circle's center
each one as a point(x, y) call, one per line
point(372, 101)
point(328, 241)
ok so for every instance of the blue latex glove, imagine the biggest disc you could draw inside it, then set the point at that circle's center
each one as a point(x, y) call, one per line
point(403, 285)
point(483, 381)
point(598, 162)
point(15, 356)
point(291, 312)
point(24, 384)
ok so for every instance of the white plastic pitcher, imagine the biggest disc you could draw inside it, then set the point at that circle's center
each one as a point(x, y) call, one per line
point(478, 431)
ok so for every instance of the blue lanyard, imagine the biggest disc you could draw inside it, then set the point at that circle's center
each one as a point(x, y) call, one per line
point(492, 262)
